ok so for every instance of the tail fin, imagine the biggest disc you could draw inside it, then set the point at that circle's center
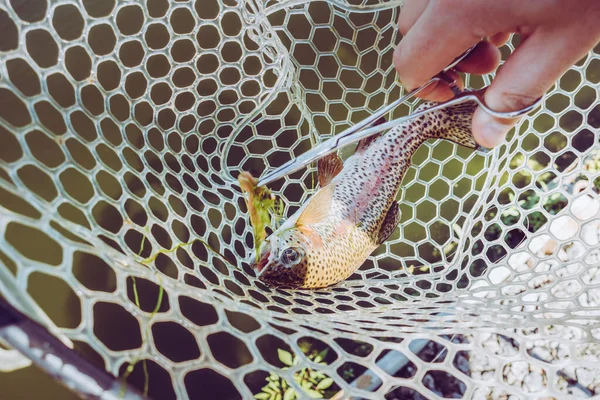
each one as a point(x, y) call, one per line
point(452, 123)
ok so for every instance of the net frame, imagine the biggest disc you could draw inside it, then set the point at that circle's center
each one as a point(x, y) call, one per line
point(488, 317)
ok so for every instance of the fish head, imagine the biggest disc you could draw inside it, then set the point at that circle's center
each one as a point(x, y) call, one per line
point(305, 251)
point(283, 259)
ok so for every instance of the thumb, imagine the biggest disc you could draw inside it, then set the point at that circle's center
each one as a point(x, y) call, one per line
point(529, 72)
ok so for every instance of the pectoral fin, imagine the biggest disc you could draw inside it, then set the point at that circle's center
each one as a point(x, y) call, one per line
point(390, 222)
point(318, 207)
point(328, 167)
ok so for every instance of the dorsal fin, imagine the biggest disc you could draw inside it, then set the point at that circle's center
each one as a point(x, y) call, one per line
point(318, 207)
point(328, 167)
point(366, 142)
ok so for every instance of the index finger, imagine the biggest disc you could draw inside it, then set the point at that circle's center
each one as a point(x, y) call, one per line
point(432, 43)
point(445, 30)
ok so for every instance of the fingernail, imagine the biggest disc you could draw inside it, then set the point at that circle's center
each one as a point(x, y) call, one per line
point(494, 132)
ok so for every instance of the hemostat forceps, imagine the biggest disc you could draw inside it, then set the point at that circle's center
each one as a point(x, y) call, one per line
point(357, 132)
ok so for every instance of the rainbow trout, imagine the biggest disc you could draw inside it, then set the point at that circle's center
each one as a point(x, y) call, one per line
point(355, 208)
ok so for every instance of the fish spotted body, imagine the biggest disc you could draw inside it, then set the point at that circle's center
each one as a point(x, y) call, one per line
point(355, 209)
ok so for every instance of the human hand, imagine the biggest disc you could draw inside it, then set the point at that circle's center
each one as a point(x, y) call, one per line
point(555, 35)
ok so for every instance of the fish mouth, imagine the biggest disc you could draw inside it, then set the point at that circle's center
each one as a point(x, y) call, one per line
point(281, 277)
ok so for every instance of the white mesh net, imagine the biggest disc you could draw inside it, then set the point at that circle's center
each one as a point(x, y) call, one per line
point(123, 125)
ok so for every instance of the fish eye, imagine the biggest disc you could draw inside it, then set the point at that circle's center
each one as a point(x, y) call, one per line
point(290, 256)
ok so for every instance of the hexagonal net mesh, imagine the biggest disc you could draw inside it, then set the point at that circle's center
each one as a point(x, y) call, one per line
point(123, 126)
